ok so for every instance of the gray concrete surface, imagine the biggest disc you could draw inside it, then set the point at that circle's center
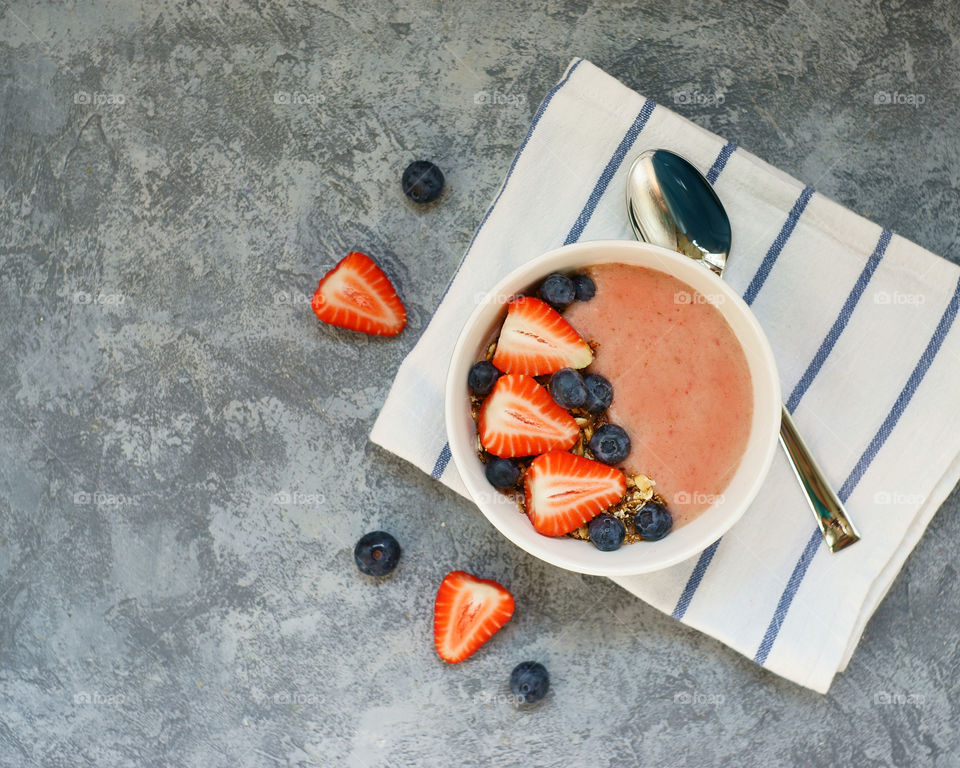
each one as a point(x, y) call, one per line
point(163, 380)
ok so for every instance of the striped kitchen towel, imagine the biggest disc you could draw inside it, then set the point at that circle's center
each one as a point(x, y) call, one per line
point(861, 323)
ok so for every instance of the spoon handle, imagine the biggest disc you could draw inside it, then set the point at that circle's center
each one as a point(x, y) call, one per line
point(837, 529)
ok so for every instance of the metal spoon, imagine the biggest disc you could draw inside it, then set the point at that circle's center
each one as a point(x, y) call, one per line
point(671, 204)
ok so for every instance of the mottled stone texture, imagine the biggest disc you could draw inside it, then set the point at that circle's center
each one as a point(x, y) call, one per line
point(183, 462)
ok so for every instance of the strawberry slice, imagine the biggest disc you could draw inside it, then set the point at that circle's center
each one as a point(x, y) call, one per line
point(357, 295)
point(564, 491)
point(536, 340)
point(467, 612)
point(520, 418)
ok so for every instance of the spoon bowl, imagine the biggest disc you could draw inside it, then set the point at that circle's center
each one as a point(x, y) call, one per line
point(672, 205)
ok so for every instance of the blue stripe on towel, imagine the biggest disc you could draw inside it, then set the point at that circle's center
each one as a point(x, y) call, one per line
point(923, 365)
point(441, 463)
point(763, 271)
point(444, 458)
point(840, 323)
point(869, 454)
point(721, 162)
point(793, 584)
point(694, 581)
point(608, 172)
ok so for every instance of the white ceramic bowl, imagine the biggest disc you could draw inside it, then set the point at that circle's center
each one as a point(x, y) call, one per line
point(681, 543)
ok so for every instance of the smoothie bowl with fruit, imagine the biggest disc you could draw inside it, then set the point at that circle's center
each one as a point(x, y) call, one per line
point(612, 407)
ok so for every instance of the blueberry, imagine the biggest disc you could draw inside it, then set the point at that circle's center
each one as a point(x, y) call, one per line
point(422, 181)
point(529, 682)
point(606, 532)
point(567, 388)
point(502, 473)
point(583, 287)
point(599, 393)
point(377, 553)
point(557, 290)
point(653, 521)
point(482, 377)
point(610, 444)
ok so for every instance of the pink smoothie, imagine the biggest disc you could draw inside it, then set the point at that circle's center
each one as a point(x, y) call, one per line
point(681, 383)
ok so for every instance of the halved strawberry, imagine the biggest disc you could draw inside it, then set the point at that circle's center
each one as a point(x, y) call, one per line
point(564, 491)
point(357, 295)
point(535, 340)
point(467, 612)
point(520, 418)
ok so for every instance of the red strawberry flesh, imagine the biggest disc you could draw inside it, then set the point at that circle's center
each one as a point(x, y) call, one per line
point(564, 491)
point(468, 611)
point(535, 340)
point(357, 295)
point(520, 418)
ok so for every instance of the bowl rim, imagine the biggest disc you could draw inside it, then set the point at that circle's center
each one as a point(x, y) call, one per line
point(614, 251)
